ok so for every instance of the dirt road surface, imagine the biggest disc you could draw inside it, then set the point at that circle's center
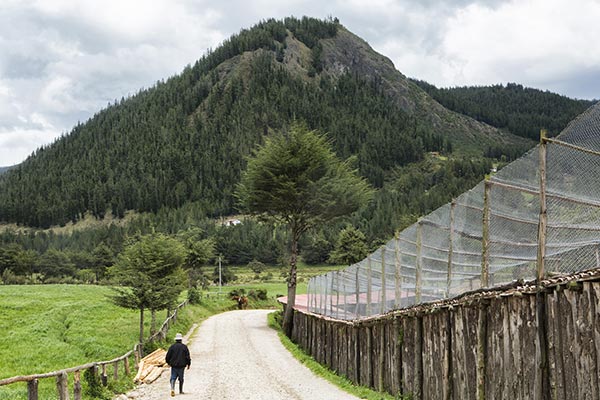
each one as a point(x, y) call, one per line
point(235, 355)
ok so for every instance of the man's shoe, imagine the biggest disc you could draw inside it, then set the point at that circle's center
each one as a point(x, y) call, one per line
point(172, 393)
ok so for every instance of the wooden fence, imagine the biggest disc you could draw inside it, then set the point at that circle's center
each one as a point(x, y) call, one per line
point(524, 342)
point(62, 377)
point(164, 329)
point(95, 368)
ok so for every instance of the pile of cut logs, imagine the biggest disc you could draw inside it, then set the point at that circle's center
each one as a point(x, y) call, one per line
point(151, 367)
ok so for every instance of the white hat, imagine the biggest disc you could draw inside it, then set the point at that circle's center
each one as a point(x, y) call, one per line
point(179, 336)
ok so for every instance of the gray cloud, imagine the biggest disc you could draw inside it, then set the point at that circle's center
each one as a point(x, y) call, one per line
point(62, 61)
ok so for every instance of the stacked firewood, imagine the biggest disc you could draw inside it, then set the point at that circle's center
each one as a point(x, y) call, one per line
point(151, 367)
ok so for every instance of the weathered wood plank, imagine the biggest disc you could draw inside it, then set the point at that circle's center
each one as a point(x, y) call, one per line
point(364, 356)
point(464, 349)
point(409, 364)
point(434, 355)
point(356, 355)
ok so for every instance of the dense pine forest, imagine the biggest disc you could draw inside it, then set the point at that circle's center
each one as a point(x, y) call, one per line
point(169, 157)
point(185, 139)
point(520, 110)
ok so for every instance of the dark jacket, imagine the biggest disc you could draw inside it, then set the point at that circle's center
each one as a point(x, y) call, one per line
point(178, 355)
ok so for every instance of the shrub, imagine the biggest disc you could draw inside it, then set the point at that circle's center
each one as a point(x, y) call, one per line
point(94, 386)
point(194, 296)
point(258, 294)
point(256, 266)
point(10, 278)
point(237, 292)
point(267, 277)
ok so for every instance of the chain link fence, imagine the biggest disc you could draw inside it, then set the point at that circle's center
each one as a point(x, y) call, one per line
point(537, 217)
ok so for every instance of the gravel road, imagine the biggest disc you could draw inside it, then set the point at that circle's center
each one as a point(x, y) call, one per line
point(235, 355)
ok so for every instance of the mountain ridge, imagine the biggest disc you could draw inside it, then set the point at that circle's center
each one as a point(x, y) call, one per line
point(185, 139)
point(512, 107)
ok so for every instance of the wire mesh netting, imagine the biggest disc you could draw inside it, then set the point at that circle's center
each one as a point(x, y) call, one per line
point(486, 237)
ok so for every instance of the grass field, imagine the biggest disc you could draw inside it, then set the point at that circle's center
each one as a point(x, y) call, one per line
point(45, 328)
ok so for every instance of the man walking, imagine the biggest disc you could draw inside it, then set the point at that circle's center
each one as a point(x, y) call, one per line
point(178, 356)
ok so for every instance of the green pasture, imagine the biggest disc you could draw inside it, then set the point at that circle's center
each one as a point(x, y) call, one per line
point(277, 274)
point(46, 328)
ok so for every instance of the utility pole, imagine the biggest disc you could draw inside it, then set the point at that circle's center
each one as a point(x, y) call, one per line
point(220, 279)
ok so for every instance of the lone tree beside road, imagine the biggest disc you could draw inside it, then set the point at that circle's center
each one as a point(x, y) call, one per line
point(150, 271)
point(297, 179)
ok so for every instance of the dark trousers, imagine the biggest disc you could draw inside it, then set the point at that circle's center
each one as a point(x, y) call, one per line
point(177, 373)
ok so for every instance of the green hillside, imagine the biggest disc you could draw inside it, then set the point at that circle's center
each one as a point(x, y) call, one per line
point(520, 110)
point(186, 138)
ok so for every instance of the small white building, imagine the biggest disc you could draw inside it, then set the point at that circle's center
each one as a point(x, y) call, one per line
point(231, 222)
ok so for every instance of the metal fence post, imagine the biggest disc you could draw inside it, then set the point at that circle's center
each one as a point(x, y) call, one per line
point(450, 247)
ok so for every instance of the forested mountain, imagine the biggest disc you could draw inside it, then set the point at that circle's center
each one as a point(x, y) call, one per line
point(185, 139)
point(3, 169)
point(520, 110)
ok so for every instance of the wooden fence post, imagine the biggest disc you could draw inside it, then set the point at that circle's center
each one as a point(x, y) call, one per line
point(383, 283)
point(316, 294)
point(369, 285)
point(331, 295)
point(357, 292)
point(116, 370)
point(32, 390)
point(77, 385)
point(485, 236)
point(450, 247)
point(542, 375)
point(104, 378)
point(482, 328)
point(418, 357)
point(398, 273)
point(126, 364)
point(337, 295)
point(381, 360)
point(137, 355)
point(309, 294)
point(326, 276)
point(62, 386)
point(319, 291)
point(419, 263)
point(541, 255)
point(448, 373)
point(369, 357)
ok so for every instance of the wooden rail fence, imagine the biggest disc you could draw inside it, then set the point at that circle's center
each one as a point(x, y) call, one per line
point(62, 376)
point(100, 368)
point(491, 344)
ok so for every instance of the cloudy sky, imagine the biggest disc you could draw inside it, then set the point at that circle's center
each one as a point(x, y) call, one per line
point(63, 60)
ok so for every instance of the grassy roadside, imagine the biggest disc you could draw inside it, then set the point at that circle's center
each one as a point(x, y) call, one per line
point(343, 383)
point(51, 327)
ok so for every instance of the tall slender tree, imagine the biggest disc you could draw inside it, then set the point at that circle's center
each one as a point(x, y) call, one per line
point(297, 179)
point(150, 272)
